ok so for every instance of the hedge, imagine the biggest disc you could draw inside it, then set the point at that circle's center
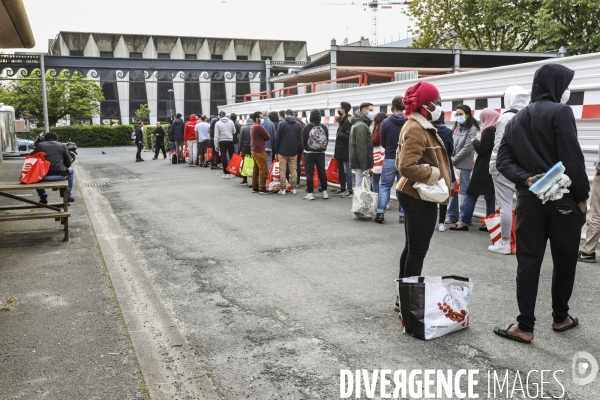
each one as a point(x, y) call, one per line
point(91, 136)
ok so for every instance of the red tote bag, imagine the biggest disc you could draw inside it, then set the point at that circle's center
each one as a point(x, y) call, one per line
point(208, 155)
point(35, 168)
point(234, 167)
point(333, 174)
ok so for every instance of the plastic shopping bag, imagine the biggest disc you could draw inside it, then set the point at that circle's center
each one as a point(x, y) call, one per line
point(378, 156)
point(364, 201)
point(35, 168)
point(434, 306)
point(492, 222)
point(274, 172)
point(333, 174)
point(248, 167)
point(234, 167)
point(208, 155)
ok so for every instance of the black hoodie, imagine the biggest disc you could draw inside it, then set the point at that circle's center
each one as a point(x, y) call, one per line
point(289, 135)
point(542, 134)
point(178, 127)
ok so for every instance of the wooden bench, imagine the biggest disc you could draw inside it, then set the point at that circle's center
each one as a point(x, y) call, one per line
point(59, 211)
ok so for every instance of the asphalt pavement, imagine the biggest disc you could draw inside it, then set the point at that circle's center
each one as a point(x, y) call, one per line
point(273, 295)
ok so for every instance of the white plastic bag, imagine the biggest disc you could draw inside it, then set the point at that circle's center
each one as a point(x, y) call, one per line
point(434, 306)
point(437, 193)
point(364, 201)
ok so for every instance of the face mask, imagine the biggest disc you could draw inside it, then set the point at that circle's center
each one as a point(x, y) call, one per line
point(565, 97)
point(339, 113)
point(461, 119)
point(371, 114)
point(436, 114)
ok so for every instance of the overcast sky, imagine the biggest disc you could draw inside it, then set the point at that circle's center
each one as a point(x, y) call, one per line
point(314, 21)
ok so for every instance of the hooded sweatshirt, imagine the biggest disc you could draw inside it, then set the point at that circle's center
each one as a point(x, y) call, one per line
point(445, 134)
point(390, 134)
point(288, 136)
point(515, 99)
point(245, 140)
point(314, 120)
point(361, 143)
point(542, 134)
point(190, 128)
point(224, 130)
point(178, 127)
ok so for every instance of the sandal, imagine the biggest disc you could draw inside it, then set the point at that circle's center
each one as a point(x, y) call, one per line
point(566, 328)
point(459, 228)
point(503, 332)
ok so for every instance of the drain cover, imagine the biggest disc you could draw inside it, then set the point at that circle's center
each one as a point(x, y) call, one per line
point(96, 184)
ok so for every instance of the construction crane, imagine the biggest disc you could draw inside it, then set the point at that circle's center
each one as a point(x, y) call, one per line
point(374, 6)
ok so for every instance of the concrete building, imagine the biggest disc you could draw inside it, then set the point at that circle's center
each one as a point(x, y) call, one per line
point(203, 73)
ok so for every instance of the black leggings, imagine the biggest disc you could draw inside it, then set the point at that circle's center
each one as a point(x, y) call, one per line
point(226, 148)
point(419, 225)
point(443, 211)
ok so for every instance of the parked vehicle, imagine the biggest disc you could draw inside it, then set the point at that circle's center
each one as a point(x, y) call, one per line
point(25, 145)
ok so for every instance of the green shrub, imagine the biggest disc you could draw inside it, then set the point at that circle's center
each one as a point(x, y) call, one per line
point(92, 136)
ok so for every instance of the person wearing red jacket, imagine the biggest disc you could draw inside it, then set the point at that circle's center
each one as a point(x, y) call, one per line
point(191, 139)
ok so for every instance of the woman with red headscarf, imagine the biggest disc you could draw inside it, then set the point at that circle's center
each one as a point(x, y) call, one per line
point(419, 145)
point(481, 183)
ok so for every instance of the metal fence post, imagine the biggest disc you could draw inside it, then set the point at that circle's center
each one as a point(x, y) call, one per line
point(44, 94)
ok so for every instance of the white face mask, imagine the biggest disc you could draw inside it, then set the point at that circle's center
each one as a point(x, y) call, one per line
point(565, 97)
point(436, 114)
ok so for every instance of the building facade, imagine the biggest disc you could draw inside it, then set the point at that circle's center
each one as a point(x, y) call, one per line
point(187, 75)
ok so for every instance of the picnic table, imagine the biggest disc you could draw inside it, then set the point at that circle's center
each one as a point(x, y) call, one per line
point(58, 211)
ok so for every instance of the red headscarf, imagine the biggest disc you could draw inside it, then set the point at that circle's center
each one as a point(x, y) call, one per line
point(418, 95)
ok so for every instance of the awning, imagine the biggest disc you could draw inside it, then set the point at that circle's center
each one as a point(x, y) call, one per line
point(15, 32)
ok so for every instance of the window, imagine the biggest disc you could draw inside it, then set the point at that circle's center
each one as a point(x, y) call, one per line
point(76, 53)
point(242, 58)
point(165, 56)
point(191, 57)
point(135, 55)
point(107, 54)
point(480, 104)
point(216, 56)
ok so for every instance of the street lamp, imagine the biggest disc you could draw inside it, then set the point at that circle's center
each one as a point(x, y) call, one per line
point(171, 103)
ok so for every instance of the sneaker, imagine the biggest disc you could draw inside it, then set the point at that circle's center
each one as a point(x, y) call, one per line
point(361, 217)
point(387, 207)
point(499, 248)
point(442, 227)
point(44, 201)
point(339, 192)
point(141, 159)
point(320, 190)
point(264, 191)
point(254, 190)
point(379, 218)
point(205, 165)
point(294, 191)
point(347, 194)
point(401, 219)
point(165, 157)
point(309, 197)
point(587, 258)
point(325, 195)
point(70, 199)
point(154, 158)
point(281, 192)
point(243, 183)
point(397, 304)
point(225, 176)
point(192, 165)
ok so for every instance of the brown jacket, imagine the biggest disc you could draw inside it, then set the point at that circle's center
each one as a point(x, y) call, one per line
point(420, 144)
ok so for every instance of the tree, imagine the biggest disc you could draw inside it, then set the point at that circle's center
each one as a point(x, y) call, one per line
point(142, 112)
point(506, 25)
point(68, 95)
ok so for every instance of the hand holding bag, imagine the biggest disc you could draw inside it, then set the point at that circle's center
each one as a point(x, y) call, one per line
point(436, 193)
point(364, 201)
point(35, 168)
point(234, 167)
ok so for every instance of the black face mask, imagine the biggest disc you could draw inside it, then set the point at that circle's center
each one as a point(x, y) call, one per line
point(339, 113)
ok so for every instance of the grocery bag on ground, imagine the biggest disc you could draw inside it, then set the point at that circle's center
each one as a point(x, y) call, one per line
point(208, 155)
point(364, 201)
point(378, 156)
point(492, 223)
point(274, 171)
point(333, 174)
point(35, 168)
point(434, 306)
point(248, 167)
point(235, 165)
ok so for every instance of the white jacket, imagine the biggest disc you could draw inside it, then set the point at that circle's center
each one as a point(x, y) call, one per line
point(224, 130)
point(515, 98)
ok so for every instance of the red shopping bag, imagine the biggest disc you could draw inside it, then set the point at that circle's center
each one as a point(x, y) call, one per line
point(378, 157)
point(234, 167)
point(35, 168)
point(208, 155)
point(333, 174)
point(492, 222)
point(455, 188)
point(274, 171)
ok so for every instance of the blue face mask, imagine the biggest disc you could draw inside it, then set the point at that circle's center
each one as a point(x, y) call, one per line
point(461, 119)
point(371, 114)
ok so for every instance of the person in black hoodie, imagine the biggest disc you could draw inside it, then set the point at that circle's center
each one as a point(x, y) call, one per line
point(160, 141)
point(289, 136)
point(445, 134)
point(539, 136)
point(178, 126)
point(389, 137)
point(139, 141)
point(315, 137)
point(341, 151)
